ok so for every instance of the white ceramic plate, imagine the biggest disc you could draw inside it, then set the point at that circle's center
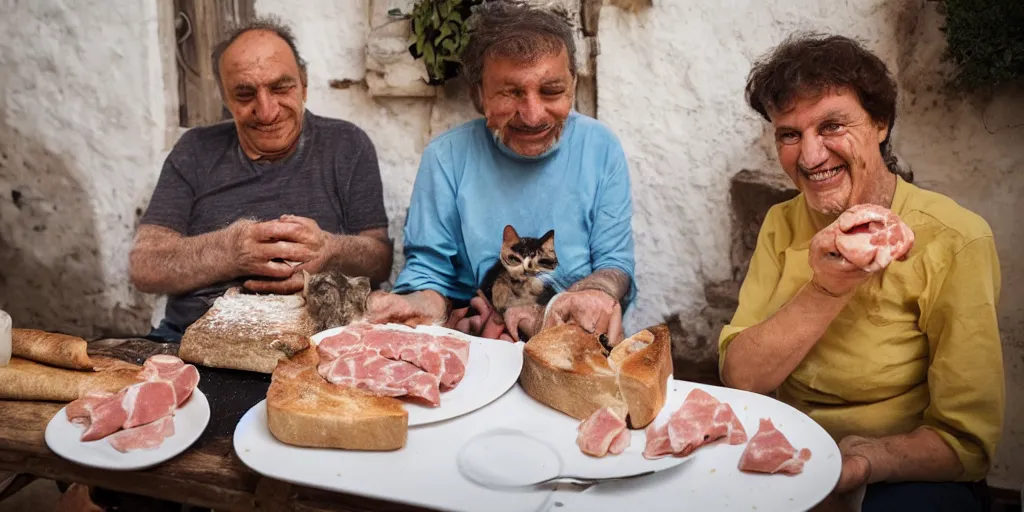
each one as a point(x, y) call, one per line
point(492, 369)
point(190, 420)
point(712, 479)
point(511, 457)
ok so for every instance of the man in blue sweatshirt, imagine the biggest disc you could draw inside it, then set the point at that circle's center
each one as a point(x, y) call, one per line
point(531, 162)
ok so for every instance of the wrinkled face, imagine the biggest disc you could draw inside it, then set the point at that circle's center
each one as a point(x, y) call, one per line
point(526, 103)
point(263, 89)
point(828, 145)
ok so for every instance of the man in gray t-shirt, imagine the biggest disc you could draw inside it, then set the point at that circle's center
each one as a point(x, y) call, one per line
point(256, 201)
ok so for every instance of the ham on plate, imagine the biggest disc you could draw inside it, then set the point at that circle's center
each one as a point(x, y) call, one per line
point(393, 362)
point(871, 237)
point(140, 416)
point(770, 452)
point(144, 437)
point(602, 433)
point(701, 419)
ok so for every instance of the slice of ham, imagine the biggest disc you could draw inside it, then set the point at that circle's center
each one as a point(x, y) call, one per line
point(100, 414)
point(701, 419)
point(386, 377)
point(442, 356)
point(184, 377)
point(597, 434)
point(770, 452)
point(871, 237)
point(147, 402)
point(145, 437)
point(621, 442)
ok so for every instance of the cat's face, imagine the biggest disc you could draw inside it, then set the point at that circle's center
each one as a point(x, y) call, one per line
point(524, 256)
point(335, 289)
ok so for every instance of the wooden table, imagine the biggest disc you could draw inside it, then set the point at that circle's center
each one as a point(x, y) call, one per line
point(208, 474)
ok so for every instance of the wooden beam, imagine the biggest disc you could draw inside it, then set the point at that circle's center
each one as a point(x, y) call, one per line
point(201, 25)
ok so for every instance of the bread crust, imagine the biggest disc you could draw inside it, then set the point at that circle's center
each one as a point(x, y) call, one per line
point(22, 379)
point(303, 409)
point(565, 368)
point(248, 332)
point(51, 348)
point(644, 373)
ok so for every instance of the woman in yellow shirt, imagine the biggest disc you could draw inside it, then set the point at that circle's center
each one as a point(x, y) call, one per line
point(903, 366)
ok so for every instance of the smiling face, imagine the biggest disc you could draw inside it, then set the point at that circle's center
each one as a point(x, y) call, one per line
point(264, 90)
point(526, 104)
point(829, 146)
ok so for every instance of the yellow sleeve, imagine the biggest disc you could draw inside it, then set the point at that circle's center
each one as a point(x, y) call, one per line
point(965, 377)
point(758, 286)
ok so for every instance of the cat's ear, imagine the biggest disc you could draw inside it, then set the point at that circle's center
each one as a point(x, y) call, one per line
point(548, 241)
point(305, 284)
point(509, 236)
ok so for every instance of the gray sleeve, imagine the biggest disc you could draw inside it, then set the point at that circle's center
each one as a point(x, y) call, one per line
point(364, 200)
point(171, 203)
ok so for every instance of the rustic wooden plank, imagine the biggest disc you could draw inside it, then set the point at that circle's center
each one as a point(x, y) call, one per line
point(209, 22)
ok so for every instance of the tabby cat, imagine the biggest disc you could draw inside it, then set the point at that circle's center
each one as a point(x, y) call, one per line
point(520, 276)
point(334, 299)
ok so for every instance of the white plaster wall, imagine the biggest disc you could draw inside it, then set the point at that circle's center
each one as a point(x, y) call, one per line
point(671, 85)
point(81, 124)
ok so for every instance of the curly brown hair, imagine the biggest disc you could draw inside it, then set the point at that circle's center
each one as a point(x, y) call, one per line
point(516, 29)
point(809, 64)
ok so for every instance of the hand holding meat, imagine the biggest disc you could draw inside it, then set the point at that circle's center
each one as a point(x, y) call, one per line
point(833, 274)
point(593, 310)
point(871, 237)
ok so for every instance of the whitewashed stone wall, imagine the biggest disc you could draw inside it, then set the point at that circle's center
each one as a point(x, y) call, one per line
point(82, 123)
point(88, 104)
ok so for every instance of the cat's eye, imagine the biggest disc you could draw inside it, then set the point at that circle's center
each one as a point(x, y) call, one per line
point(547, 262)
point(515, 259)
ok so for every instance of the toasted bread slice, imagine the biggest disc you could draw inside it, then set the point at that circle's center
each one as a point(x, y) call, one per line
point(23, 379)
point(644, 365)
point(250, 332)
point(565, 368)
point(303, 409)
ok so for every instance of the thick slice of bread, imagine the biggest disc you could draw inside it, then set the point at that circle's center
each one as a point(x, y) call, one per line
point(303, 409)
point(51, 348)
point(644, 365)
point(248, 332)
point(22, 379)
point(565, 368)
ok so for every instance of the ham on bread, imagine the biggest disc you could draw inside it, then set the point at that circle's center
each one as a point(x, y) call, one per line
point(303, 409)
point(566, 368)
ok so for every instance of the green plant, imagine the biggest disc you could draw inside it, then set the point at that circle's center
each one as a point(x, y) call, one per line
point(439, 34)
point(986, 42)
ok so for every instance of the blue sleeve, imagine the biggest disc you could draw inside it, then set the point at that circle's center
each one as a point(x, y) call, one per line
point(431, 233)
point(612, 243)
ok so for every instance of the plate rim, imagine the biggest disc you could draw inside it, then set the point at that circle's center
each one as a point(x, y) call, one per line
point(515, 349)
point(61, 416)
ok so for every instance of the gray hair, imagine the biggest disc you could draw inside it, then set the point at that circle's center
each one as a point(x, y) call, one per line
point(267, 23)
point(515, 29)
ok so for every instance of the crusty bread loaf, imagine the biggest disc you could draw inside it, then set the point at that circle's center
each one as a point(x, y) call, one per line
point(644, 365)
point(565, 368)
point(22, 379)
point(303, 409)
point(51, 348)
point(251, 332)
